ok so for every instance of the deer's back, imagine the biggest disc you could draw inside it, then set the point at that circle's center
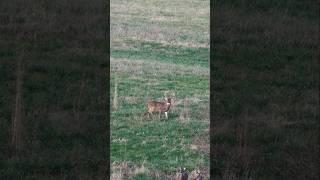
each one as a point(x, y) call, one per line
point(156, 106)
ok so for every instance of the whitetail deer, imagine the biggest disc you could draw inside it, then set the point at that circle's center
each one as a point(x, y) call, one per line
point(161, 107)
point(196, 175)
point(182, 174)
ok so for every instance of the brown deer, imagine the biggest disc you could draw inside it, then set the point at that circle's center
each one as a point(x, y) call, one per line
point(161, 107)
point(196, 175)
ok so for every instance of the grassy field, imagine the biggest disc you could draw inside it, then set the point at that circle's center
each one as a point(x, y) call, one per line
point(158, 48)
point(264, 79)
point(265, 88)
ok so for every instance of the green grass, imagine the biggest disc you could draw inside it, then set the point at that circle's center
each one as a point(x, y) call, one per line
point(158, 48)
point(161, 145)
point(160, 52)
point(158, 144)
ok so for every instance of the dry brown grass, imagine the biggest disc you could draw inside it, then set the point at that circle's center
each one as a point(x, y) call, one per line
point(125, 170)
point(145, 67)
point(161, 22)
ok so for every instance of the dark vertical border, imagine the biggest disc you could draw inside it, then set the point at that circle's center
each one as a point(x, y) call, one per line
point(211, 86)
point(247, 109)
point(49, 37)
point(107, 35)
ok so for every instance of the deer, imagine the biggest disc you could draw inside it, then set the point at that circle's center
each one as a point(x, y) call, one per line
point(161, 107)
point(196, 175)
point(182, 174)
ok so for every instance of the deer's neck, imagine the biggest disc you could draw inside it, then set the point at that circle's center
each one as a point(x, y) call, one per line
point(168, 106)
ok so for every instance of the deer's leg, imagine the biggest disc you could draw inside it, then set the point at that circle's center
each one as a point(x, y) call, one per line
point(159, 114)
point(150, 113)
point(166, 113)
